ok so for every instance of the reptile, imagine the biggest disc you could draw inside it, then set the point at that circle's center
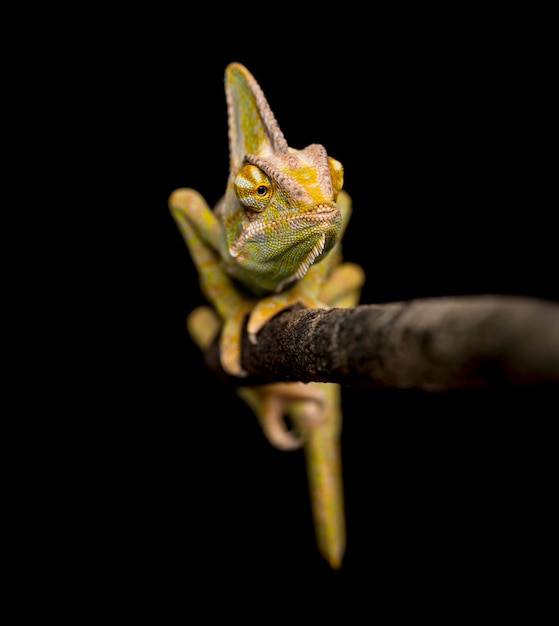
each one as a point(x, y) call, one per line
point(273, 240)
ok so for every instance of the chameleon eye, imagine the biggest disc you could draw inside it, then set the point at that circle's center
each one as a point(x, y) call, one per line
point(253, 188)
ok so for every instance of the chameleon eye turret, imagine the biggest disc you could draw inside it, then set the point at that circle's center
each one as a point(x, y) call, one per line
point(253, 188)
point(337, 174)
point(273, 240)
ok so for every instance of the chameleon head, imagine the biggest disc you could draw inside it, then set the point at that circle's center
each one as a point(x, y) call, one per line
point(280, 214)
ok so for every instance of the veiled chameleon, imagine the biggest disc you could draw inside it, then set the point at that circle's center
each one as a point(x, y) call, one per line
point(274, 240)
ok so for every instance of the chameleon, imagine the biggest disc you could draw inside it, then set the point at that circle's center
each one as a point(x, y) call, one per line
point(271, 241)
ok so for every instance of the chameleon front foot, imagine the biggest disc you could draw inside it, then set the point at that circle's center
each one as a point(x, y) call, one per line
point(266, 308)
point(204, 324)
point(230, 344)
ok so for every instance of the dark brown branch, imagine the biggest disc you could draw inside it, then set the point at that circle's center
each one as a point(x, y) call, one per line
point(432, 344)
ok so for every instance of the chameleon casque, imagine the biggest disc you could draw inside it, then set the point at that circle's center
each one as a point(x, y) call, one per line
point(271, 241)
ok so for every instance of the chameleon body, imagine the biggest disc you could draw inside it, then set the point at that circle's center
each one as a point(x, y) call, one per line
point(271, 241)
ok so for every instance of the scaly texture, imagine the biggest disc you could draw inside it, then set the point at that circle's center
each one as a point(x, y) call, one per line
point(275, 235)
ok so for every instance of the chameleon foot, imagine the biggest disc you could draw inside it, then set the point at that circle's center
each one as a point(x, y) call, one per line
point(203, 325)
point(230, 342)
point(266, 308)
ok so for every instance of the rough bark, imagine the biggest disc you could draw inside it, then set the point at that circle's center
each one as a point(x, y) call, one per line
point(432, 344)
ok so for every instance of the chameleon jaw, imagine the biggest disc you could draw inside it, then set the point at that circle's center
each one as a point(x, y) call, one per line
point(313, 254)
point(324, 215)
point(270, 254)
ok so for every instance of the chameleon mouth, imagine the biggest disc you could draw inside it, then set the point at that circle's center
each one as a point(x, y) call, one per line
point(322, 216)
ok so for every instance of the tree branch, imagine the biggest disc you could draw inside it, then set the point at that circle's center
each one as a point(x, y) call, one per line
point(432, 344)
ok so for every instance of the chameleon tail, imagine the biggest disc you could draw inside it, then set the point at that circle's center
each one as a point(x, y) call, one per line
point(324, 471)
point(314, 409)
point(269, 407)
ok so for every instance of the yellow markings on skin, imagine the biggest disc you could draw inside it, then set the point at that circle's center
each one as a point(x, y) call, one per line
point(307, 177)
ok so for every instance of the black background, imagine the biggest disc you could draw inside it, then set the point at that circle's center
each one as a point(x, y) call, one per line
point(447, 136)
